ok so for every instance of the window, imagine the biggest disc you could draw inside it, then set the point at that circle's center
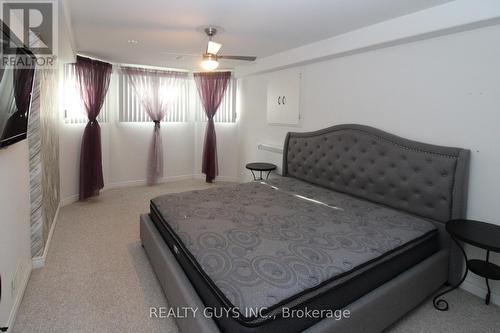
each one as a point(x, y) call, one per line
point(74, 110)
point(131, 109)
point(187, 104)
point(227, 109)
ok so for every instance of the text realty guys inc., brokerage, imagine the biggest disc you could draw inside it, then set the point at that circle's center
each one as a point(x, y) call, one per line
point(235, 313)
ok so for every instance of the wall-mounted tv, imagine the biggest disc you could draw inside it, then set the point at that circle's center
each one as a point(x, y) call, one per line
point(16, 85)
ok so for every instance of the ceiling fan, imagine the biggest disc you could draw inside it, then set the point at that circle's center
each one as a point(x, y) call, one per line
point(211, 55)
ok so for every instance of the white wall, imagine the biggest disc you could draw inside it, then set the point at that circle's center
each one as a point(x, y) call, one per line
point(129, 147)
point(15, 235)
point(444, 91)
point(125, 151)
point(15, 243)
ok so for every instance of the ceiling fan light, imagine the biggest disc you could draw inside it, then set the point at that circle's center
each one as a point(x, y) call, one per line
point(213, 47)
point(209, 63)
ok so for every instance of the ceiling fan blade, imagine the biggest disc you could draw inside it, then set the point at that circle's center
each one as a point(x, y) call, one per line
point(213, 47)
point(245, 58)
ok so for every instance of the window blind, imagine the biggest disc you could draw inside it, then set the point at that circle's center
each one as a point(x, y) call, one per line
point(131, 109)
point(227, 109)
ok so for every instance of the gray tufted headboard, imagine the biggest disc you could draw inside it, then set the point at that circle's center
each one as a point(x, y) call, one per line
point(423, 179)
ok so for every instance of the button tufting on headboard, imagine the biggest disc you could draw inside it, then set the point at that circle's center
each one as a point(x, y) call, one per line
point(423, 179)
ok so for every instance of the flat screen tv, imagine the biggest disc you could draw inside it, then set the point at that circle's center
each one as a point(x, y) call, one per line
point(16, 85)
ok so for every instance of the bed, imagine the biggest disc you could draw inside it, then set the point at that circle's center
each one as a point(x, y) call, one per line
point(356, 222)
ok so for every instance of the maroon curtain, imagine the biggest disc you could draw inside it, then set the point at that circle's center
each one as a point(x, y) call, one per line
point(93, 80)
point(211, 87)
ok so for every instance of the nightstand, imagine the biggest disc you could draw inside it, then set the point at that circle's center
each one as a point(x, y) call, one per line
point(479, 234)
point(262, 167)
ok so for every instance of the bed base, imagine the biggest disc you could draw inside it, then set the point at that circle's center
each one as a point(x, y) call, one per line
point(376, 310)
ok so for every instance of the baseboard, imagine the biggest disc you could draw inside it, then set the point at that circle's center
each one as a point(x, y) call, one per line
point(19, 297)
point(480, 291)
point(69, 200)
point(39, 262)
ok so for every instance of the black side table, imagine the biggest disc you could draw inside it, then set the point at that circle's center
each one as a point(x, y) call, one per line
point(479, 234)
point(262, 167)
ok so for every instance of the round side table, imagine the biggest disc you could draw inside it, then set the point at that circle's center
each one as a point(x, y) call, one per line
point(261, 167)
point(479, 234)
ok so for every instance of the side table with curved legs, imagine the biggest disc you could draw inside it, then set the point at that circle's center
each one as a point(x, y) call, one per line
point(479, 234)
point(261, 167)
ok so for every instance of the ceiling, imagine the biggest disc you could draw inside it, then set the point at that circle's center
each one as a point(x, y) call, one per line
point(102, 28)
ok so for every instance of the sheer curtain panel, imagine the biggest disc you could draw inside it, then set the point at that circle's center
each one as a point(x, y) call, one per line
point(157, 92)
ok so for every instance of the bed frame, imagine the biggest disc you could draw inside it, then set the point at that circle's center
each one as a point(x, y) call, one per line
point(426, 180)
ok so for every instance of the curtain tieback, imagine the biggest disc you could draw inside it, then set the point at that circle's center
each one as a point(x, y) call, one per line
point(157, 123)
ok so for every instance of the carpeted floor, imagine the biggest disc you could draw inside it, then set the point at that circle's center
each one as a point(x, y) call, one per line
point(98, 279)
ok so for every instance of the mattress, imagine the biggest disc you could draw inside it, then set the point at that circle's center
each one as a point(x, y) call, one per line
point(257, 251)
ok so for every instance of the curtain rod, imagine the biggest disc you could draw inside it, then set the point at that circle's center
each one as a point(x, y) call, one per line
point(146, 66)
